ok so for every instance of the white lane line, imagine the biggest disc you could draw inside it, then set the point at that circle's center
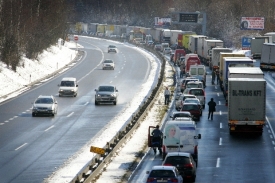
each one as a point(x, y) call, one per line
point(270, 126)
point(271, 136)
point(20, 146)
point(269, 131)
point(49, 128)
point(6, 121)
point(220, 125)
point(218, 162)
point(70, 114)
point(2, 123)
point(220, 142)
point(10, 119)
point(273, 142)
point(15, 116)
point(86, 103)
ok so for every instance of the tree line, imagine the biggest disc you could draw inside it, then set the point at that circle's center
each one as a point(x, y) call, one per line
point(27, 27)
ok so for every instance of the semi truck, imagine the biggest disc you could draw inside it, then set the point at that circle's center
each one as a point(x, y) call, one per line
point(215, 57)
point(245, 72)
point(234, 62)
point(246, 105)
point(257, 44)
point(208, 45)
point(223, 55)
point(268, 57)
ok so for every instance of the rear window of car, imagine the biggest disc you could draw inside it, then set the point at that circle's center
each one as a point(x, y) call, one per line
point(188, 80)
point(174, 160)
point(193, 85)
point(190, 107)
point(162, 173)
point(181, 115)
point(196, 92)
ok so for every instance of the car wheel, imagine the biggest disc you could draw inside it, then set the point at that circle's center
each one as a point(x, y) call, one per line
point(96, 103)
point(60, 95)
point(115, 103)
point(33, 115)
point(199, 118)
point(203, 106)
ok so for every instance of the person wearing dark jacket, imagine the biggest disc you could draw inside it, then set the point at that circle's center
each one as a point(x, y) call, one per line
point(212, 108)
point(156, 139)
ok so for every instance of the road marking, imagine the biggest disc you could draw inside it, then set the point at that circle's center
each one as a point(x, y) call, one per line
point(86, 103)
point(271, 136)
point(218, 162)
point(70, 114)
point(269, 131)
point(273, 142)
point(49, 128)
point(220, 143)
point(20, 146)
point(2, 123)
point(6, 121)
point(270, 126)
point(220, 125)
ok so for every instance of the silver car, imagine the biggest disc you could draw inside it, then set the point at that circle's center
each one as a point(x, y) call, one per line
point(44, 105)
point(108, 64)
point(106, 94)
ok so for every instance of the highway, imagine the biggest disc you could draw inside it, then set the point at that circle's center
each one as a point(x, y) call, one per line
point(32, 148)
point(224, 157)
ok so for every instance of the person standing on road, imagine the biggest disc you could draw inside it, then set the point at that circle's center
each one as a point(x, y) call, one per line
point(212, 108)
point(182, 68)
point(156, 139)
point(166, 96)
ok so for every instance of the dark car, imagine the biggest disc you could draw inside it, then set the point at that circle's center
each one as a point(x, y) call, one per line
point(184, 162)
point(193, 108)
point(167, 174)
point(181, 114)
point(193, 100)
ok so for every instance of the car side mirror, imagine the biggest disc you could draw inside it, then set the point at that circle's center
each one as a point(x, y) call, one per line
point(197, 137)
point(95, 89)
point(76, 85)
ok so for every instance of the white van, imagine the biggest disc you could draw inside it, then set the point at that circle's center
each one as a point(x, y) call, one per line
point(199, 72)
point(68, 87)
point(180, 136)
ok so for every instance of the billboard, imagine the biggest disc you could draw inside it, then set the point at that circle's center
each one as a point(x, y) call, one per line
point(162, 21)
point(252, 23)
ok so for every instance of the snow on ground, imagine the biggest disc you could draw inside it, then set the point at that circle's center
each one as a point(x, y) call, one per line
point(49, 61)
point(14, 83)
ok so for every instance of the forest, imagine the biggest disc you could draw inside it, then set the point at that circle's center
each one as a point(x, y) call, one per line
point(30, 26)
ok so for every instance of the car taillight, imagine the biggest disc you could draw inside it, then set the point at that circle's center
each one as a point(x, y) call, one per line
point(174, 180)
point(190, 165)
point(150, 180)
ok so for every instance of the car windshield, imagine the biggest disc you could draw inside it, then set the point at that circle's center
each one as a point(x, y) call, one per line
point(67, 83)
point(162, 173)
point(44, 101)
point(108, 61)
point(106, 88)
point(112, 46)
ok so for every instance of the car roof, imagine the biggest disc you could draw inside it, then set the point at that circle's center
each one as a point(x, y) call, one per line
point(159, 167)
point(177, 112)
point(178, 154)
point(199, 82)
point(68, 79)
point(183, 119)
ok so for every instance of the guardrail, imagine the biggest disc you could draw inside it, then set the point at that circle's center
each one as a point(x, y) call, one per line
point(92, 169)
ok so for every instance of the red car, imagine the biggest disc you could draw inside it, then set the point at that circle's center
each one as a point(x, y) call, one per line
point(193, 108)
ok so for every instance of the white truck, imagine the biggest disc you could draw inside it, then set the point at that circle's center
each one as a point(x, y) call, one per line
point(208, 45)
point(268, 56)
point(246, 105)
point(257, 44)
point(215, 57)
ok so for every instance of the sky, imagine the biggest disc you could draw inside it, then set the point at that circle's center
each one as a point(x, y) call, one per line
point(14, 83)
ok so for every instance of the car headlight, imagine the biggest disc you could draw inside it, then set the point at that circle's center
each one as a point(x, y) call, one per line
point(113, 95)
point(34, 108)
point(98, 95)
point(72, 90)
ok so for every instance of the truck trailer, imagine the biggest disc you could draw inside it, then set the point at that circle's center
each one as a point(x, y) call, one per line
point(268, 56)
point(234, 62)
point(246, 105)
point(215, 57)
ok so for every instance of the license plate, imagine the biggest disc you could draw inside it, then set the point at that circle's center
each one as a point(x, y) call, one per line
point(162, 181)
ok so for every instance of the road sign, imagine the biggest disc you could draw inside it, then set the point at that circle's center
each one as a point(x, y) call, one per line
point(97, 150)
point(76, 38)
